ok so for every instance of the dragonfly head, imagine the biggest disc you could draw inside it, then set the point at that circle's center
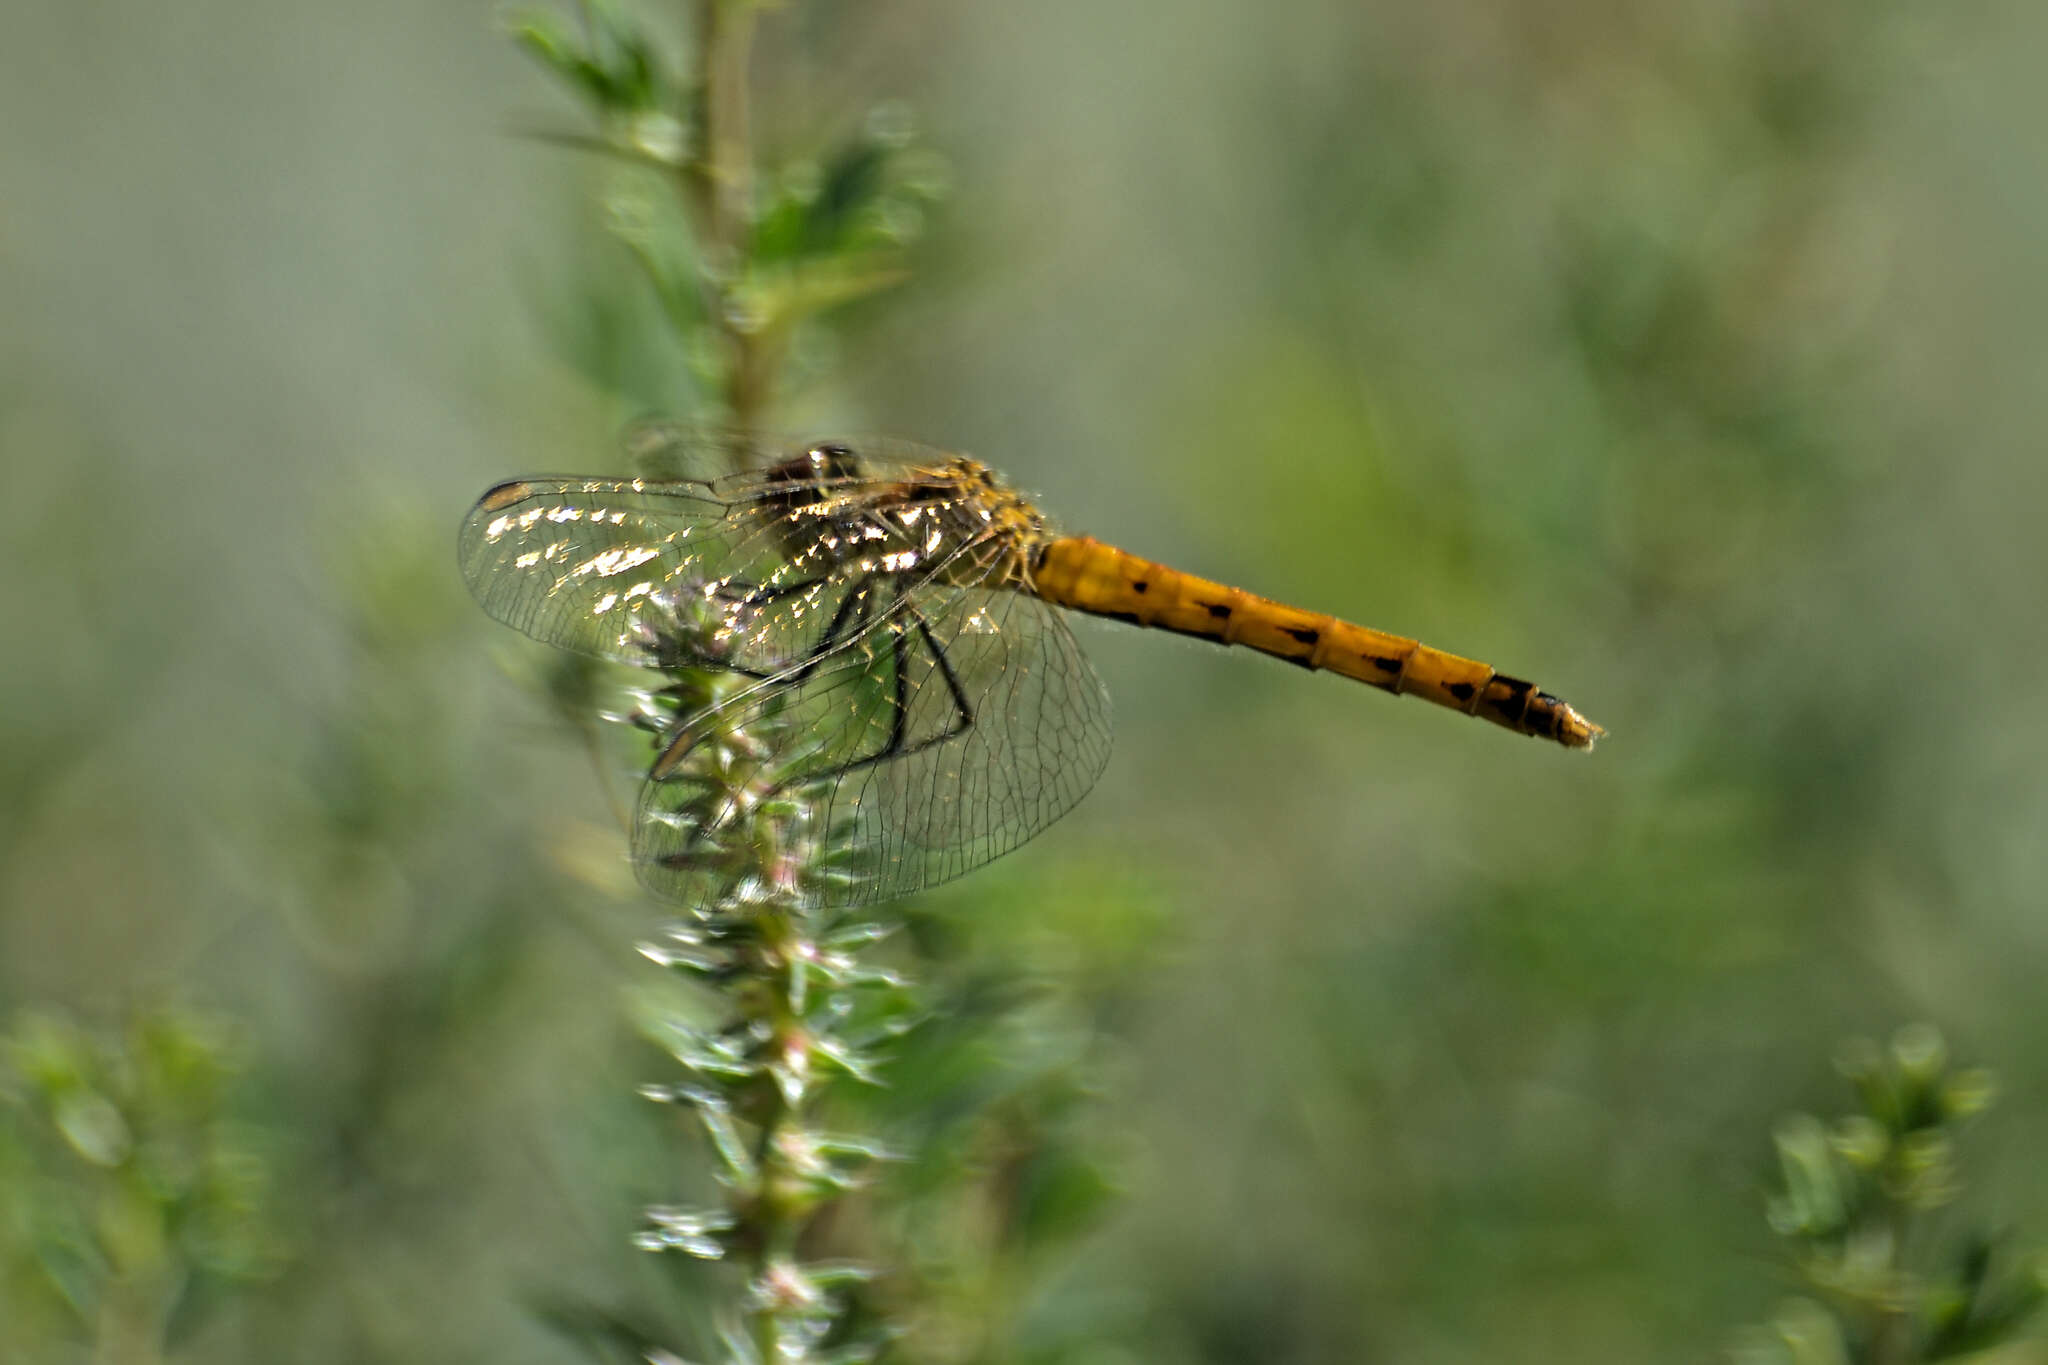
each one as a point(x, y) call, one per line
point(805, 477)
point(828, 460)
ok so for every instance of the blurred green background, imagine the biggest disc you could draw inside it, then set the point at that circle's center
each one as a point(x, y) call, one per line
point(1684, 357)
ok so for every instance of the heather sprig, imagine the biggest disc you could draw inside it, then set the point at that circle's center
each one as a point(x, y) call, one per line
point(1861, 1204)
point(740, 263)
point(741, 259)
point(799, 1009)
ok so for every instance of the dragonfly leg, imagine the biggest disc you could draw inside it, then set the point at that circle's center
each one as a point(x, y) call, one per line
point(749, 595)
point(898, 745)
point(854, 615)
point(754, 595)
point(676, 647)
point(861, 604)
point(963, 709)
point(858, 605)
point(670, 761)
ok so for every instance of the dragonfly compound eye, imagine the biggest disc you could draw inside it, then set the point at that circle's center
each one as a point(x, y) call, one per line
point(831, 460)
point(802, 477)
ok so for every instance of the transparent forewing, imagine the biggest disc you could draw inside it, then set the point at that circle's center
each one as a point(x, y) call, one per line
point(957, 725)
point(570, 561)
point(760, 567)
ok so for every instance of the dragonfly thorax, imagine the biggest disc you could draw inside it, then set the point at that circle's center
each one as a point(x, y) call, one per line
point(955, 521)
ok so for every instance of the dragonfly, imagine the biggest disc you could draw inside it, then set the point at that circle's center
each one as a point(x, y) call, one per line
point(900, 609)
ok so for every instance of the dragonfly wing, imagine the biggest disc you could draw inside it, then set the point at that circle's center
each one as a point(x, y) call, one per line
point(1031, 740)
point(569, 560)
point(611, 567)
point(951, 725)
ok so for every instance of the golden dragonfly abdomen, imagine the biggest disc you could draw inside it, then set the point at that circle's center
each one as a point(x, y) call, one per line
point(1083, 574)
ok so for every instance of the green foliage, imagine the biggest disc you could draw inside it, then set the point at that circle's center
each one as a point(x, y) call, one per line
point(611, 63)
point(997, 1105)
point(1857, 1206)
point(137, 1195)
point(741, 264)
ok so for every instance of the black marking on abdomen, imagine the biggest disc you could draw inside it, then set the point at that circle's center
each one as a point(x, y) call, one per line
point(1384, 663)
point(1140, 584)
point(1307, 635)
point(1219, 610)
point(1462, 691)
point(1515, 705)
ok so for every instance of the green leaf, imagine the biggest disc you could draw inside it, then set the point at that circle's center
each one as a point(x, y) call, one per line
point(616, 69)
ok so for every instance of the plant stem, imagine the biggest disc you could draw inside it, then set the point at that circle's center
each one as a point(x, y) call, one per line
point(720, 187)
point(784, 947)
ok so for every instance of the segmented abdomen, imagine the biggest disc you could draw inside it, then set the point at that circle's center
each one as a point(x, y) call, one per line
point(1082, 573)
